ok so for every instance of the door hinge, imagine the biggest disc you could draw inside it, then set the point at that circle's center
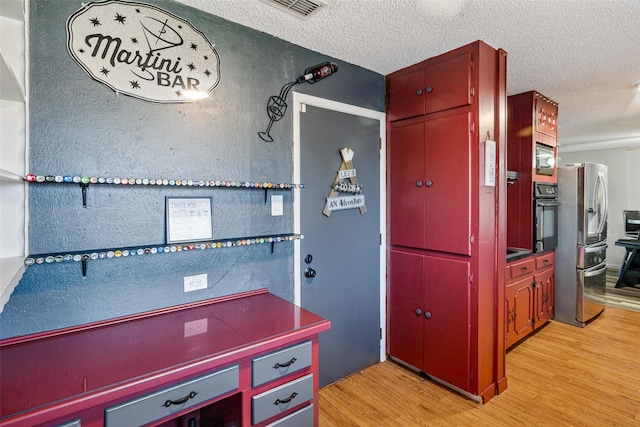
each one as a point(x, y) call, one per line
point(379, 143)
point(472, 92)
point(470, 377)
point(380, 239)
point(380, 333)
point(470, 277)
point(473, 127)
point(472, 239)
point(303, 108)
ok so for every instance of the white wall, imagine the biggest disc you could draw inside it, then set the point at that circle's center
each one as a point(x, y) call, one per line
point(624, 188)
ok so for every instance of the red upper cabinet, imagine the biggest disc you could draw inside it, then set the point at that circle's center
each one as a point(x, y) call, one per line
point(430, 166)
point(439, 86)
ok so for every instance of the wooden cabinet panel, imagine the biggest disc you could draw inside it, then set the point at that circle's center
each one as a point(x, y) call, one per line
point(430, 88)
point(429, 315)
point(544, 296)
point(448, 84)
point(447, 320)
point(448, 184)
point(407, 195)
point(406, 307)
point(519, 298)
point(430, 183)
point(406, 96)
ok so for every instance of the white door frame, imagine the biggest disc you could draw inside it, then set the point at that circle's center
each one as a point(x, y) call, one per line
point(300, 101)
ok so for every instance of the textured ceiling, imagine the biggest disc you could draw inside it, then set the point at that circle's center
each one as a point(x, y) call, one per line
point(583, 54)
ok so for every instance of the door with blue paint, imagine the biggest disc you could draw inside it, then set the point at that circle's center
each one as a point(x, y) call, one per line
point(340, 254)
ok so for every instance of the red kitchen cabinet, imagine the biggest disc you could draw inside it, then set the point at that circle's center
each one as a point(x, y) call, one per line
point(532, 132)
point(430, 317)
point(438, 86)
point(446, 124)
point(529, 295)
point(545, 286)
point(519, 306)
point(430, 166)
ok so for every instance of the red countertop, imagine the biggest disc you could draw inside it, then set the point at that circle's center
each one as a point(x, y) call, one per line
point(78, 363)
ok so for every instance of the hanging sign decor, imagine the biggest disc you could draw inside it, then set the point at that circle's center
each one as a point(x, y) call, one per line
point(143, 51)
point(337, 200)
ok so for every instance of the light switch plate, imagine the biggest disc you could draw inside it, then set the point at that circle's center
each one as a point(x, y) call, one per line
point(277, 205)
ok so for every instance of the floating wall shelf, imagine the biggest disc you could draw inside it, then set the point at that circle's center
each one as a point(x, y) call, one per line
point(84, 182)
point(85, 256)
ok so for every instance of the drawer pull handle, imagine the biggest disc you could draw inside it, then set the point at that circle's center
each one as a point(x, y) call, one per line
point(286, 400)
point(285, 364)
point(180, 401)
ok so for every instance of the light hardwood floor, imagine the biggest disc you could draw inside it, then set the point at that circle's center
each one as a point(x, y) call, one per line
point(560, 376)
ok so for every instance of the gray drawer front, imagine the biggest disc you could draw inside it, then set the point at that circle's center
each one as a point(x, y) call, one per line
point(277, 400)
point(152, 407)
point(269, 367)
point(74, 423)
point(301, 418)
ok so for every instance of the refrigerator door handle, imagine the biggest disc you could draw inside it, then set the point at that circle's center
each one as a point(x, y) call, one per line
point(602, 208)
point(598, 271)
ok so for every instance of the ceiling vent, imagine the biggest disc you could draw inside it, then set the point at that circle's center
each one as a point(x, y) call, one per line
point(303, 9)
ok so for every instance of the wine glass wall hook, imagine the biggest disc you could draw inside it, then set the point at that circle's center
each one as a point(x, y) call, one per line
point(277, 104)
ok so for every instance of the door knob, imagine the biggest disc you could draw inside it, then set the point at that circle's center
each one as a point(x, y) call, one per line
point(308, 259)
point(309, 273)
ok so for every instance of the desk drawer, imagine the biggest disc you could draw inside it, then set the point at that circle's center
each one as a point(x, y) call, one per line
point(277, 400)
point(303, 417)
point(160, 404)
point(280, 363)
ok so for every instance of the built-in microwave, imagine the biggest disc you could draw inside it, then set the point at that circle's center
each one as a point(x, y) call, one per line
point(545, 160)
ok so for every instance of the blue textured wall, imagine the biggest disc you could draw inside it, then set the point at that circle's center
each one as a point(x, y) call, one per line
point(81, 127)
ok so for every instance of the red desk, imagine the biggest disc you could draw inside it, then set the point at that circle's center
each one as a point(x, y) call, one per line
point(78, 373)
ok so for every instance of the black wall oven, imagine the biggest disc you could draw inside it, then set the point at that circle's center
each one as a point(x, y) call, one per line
point(545, 216)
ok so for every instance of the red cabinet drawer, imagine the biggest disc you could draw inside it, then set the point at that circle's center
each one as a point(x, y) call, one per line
point(522, 268)
point(545, 261)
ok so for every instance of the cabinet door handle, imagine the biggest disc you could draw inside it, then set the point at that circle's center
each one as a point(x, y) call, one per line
point(285, 364)
point(286, 400)
point(429, 89)
point(180, 401)
point(418, 312)
point(427, 314)
point(419, 184)
point(419, 92)
point(429, 183)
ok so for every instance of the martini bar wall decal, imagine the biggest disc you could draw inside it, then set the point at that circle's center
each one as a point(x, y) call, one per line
point(143, 51)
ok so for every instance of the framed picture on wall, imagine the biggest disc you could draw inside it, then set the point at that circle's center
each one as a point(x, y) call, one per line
point(189, 219)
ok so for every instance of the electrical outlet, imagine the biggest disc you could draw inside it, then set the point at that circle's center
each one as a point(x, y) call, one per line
point(195, 283)
point(195, 327)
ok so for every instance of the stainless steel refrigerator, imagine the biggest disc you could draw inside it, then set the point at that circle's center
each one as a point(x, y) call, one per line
point(581, 263)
